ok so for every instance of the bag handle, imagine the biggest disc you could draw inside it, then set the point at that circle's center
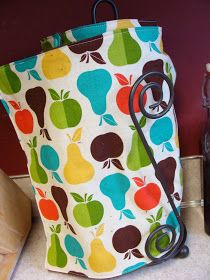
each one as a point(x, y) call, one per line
point(97, 2)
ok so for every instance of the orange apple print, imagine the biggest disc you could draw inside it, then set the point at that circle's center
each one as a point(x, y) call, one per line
point(47, 207)
point(123, 94)
point(148, 196)
point(23, 118)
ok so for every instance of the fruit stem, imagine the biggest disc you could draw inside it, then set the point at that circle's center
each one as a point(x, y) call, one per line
point(130, 79)
point(69, 137)
point(29, 77)
point(144, 180)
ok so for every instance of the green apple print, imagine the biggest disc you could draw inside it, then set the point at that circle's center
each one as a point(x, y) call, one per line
point(149, 35)
point(138, 157)
point(124, 50)
point(95, 85)
point(168, 71)
point(27, 65)
point(9, 81)
point(37, 173)
point(87, 212)
point(74, 248)
point(115, 187)
point(56, 255)
point(50, 160)
point(164, 241)
point(161, 132)
point(65, 112)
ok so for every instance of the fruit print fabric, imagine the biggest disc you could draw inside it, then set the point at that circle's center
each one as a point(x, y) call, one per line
point(84, 154)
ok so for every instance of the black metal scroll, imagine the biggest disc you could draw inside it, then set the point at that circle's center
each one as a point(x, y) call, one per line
point(95, 5)
point(175, 246)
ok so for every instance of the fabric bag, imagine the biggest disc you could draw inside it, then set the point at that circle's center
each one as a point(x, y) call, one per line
point(96, 120)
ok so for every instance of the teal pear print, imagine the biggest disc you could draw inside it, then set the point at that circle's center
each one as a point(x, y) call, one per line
point(124, 49)
point(95, 86)
point(27, 65)
point(149, 35)
point(37, 173)
point(56, 255)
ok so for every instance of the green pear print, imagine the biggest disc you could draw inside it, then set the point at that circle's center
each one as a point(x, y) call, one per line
point(138, 157)
point(164, 241)
point(124, 49)
point(9, 81)
point(65, 112)
point(37, 173)
point(56, 255)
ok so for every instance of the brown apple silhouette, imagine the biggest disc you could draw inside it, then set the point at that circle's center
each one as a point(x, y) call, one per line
point(107, 146)
point(126, 239)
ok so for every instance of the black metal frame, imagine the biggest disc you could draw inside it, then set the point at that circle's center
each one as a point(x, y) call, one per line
point(174, 246)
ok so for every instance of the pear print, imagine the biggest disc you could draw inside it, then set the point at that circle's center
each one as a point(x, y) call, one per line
point(93, 84)
point(55, 64)
point(115, 187)
point(74, 248)
point(27, 65)
point(124, 49)
point(77, 170)
point(36, 99)
point(61, 199)
point(100, 260)
point(56, 255)
point(37, 173)
point(106, 148)
point(9, 81)
point(149, 35)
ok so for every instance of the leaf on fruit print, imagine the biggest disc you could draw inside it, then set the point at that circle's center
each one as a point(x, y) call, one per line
point(97, 58)
point(168, 147)
point(159, 214)
point(100, 230)
point(81, 262)
point(77, 197)
point(163, 105)
point(132, 127)
point(149, 220)
point(77, 135)
point(41, 193)
point(35, 75)
point(142, 122)
point(128, 214)
point(136, 253)
point(54, 94)
point(14, 104)
point(154, 47)
point(90, 197)
point(167, 67)
point(123, 81)
point(58, 228)
point(105, 164)
point(109, 119)
point(66, 95)
point(57, 177)
point(126, 256)
point(176, 196)
point(139, 182)
point(117, 163)
point(83, 57)
point(52, 229)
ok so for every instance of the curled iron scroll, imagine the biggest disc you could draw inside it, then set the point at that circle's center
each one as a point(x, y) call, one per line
point(175, 244)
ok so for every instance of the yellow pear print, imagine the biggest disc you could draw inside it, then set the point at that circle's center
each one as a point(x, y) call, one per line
point(100, 260)
point(55, 64)
point(77, 170)
point(124, 23)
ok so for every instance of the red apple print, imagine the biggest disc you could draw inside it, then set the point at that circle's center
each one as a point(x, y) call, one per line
point(123, 94)
point(148, 196)
point(23, 118)
point(47, 207)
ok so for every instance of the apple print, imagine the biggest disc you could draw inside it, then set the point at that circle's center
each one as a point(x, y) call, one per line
point(47, 207)
point(23, 118)
point(123, 94)
point(148, 196)
point(27, 64)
